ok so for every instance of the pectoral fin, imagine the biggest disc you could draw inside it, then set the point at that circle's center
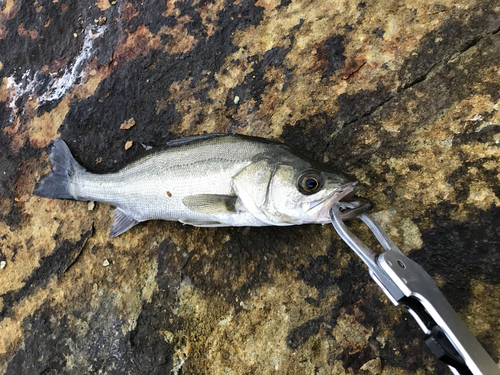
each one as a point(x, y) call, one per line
point(121, 223)
point(211, 204)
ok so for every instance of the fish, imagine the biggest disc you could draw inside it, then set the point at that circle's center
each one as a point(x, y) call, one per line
point(209, 180)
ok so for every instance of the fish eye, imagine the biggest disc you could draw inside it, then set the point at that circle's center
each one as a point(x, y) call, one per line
point(309, 182)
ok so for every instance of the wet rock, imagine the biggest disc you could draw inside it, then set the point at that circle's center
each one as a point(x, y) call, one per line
point(406, 100)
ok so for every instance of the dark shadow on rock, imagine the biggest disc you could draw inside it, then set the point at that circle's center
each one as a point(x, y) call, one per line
point(458, 251)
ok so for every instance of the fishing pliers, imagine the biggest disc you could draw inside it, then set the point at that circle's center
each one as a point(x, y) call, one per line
point(406, 283)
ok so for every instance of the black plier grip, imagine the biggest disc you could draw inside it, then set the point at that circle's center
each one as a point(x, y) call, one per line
point(407, 284)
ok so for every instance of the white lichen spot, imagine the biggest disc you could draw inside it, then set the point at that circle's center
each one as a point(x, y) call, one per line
point(236, 99)
point(58, 85)
point(3, 264)
point(16, 90)
point(168, 336)
point(177, 364)
point(485, 125)
point(72, 74)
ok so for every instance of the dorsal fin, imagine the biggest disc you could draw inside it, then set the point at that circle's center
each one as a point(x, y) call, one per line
point(193, 138)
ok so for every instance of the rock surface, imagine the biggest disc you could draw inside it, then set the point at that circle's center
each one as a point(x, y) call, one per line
point(402, 95)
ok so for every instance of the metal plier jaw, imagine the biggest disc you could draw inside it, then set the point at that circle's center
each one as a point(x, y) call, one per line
point(407, 284)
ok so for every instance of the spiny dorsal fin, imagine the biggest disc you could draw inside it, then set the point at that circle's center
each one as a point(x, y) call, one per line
point(193, 138)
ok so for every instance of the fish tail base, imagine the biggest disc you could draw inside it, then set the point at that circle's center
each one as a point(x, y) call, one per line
point(57, 183)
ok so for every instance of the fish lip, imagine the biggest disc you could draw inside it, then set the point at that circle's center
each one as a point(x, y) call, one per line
point(362, 204)
point(324, 213)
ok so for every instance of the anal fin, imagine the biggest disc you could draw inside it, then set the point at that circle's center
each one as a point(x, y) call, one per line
point(121, 223)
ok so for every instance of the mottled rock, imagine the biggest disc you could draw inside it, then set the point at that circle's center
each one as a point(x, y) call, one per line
point(403, 97)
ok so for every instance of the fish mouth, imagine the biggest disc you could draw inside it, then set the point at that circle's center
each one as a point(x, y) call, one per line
point(356, 205)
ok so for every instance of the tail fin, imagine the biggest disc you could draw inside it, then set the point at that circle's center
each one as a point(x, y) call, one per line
point(56, 184)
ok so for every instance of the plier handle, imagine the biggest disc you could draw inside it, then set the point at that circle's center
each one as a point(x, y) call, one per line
point(407, 284)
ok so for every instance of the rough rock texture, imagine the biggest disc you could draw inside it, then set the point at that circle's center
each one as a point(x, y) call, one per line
point(402, 95)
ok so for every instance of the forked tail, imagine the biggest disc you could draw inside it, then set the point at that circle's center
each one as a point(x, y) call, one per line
point(57, 183)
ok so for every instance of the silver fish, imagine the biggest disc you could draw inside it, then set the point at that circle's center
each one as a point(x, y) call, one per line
point(210, 180)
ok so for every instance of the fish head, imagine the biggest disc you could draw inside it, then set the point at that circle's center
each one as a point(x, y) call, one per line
point(301, 194)
point(290, 191)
